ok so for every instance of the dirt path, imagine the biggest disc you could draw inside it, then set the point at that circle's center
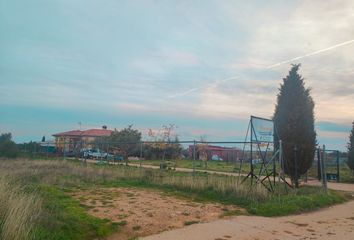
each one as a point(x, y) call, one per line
point(145, 212)
point(332, 223)
point(335, 222)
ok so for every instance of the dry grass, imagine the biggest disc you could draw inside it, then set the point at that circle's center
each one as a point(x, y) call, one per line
point(18, 211)
point(52, 172)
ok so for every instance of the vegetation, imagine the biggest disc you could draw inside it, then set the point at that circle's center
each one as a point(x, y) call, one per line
point(350, 161)
point(294, 121)
point(7, 147)
point(19, 211)
point(38, 196)
point(65, 218)
point(125, 142)
point(165, 144)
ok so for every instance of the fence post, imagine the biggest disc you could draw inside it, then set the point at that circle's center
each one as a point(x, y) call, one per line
point(47, 148)
point(295, 163)
point(141, 153)
point(193, 157)
point(280, 161)
point(337, 166)
point(64, 149)
point(35, 149)
point(319, 167)
point(323, 164)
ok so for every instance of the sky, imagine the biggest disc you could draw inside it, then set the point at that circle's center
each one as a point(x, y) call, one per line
point(205, 66)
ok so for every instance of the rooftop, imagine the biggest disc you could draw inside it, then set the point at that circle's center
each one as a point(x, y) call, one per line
point(85, 133)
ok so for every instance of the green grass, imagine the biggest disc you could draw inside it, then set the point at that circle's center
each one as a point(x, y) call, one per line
point(185, 163)
point(345, 173)
point(65, 218)
point(296, 201)
point(305, 199)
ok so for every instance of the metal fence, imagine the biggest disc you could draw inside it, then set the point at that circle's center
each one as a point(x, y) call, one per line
point(334, 165)
point(226, 156)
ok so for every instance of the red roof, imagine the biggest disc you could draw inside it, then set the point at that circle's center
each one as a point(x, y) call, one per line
point(69, 133)
point(85, 133)
point(97, 133)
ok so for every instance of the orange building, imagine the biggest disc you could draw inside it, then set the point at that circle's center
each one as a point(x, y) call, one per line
point(77, 139)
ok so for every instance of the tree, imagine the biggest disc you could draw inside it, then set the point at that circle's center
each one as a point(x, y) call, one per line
point(126, 141)
point(350, 161)
point(294, 121)
point(7, 147)
point(163, 146)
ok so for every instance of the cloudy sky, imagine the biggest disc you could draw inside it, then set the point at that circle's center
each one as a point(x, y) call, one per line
point(205, 66)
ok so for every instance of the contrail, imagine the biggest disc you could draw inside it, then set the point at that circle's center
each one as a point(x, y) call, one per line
point(217, 82)
point(311, 54)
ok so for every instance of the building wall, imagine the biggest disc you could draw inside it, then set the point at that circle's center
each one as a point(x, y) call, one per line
point(73, 143)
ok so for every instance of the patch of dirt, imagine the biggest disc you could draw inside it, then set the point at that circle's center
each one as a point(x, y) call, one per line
point(146, 212)
point(329, 223)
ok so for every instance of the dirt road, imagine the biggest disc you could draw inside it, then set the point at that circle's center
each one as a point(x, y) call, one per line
point(335, 222)
point(332, 223)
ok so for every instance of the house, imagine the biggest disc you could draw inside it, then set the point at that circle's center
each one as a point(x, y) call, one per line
point(75, 140)
point(210, 152)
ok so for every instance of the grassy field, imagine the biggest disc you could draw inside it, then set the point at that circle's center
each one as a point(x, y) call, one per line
point(34, 203)
point(346, 175)
point(219, 166)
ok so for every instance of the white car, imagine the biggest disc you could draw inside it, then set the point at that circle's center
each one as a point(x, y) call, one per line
point(96, 153)
point(216, 158)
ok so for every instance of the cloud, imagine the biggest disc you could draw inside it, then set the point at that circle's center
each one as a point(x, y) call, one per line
point(197, 60)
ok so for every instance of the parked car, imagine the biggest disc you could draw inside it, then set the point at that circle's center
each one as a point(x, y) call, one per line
point(216, 158)
point(95, 154)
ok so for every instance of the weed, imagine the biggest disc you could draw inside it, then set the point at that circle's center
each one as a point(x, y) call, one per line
point(187, 223)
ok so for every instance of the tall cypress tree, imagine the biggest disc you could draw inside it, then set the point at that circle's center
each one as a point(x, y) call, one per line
point(294, 121)
point(350, 161)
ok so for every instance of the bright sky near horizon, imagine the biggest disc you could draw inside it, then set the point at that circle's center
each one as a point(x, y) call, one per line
point(205, 66)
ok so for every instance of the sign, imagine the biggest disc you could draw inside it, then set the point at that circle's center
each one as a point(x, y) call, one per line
point(262, 130)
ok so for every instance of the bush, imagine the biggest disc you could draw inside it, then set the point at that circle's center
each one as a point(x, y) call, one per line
point(7, 147)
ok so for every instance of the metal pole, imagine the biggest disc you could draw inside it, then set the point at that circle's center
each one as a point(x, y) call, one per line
point(251, 162)
point(64, 149)
point(324, 176)
point(141, 153)
point(280, 160)
point(274, 169)
point(47, 148)
point(319, 165)
point(107, 147)
point(337, 166)
point(193, 157)
point(35, 149)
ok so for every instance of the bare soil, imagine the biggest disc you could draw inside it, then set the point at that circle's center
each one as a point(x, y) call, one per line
point(335, 223)
point(145, 212)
